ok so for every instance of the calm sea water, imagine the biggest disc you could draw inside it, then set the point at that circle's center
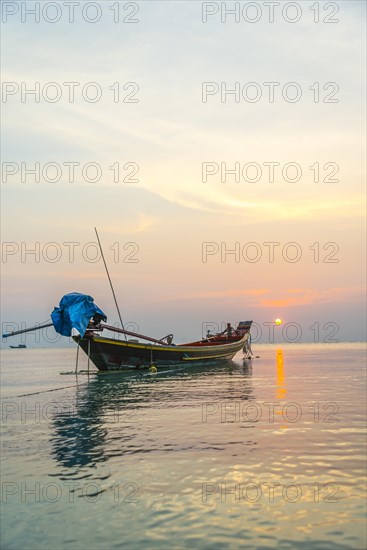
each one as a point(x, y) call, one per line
point(268, 455)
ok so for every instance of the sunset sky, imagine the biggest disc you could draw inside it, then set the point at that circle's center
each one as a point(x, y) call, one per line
point(165, 136)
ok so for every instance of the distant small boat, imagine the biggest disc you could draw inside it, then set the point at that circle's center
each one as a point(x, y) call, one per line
point(20, 346)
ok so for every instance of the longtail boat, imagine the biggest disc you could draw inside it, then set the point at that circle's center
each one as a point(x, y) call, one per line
point(79, 317)
point(111, 354)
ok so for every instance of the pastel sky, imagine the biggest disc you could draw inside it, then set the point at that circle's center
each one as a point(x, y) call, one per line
point(169, 211)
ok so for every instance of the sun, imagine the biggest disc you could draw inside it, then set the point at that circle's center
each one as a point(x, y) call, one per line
point(278, 321)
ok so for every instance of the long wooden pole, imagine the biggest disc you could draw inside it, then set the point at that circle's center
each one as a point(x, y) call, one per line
point(109, 278)
point(37, 327)
point(148, 338)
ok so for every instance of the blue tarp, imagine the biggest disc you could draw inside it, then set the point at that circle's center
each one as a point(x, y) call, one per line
point(75, 311)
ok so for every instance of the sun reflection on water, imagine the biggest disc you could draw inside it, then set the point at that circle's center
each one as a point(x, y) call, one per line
point(281, 390)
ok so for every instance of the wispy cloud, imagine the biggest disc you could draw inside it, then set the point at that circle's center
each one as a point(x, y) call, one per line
point(308, 296)
point(270, 298)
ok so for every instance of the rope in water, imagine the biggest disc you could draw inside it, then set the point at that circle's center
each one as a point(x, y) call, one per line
point(44, 391)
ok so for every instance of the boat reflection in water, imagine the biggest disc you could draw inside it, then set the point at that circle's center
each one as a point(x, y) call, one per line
point(113, 413)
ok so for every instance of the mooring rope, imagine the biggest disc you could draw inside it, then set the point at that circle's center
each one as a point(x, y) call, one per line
point(38, 392)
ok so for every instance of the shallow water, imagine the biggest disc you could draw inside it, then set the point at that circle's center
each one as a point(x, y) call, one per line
point(268, 455)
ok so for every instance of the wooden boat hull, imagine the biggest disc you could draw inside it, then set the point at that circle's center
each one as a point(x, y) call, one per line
point(109, 354)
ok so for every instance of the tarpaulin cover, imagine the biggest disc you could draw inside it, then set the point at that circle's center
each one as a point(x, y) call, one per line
point(75, 311)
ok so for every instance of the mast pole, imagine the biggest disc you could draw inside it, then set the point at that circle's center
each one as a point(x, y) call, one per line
point(109, 278)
